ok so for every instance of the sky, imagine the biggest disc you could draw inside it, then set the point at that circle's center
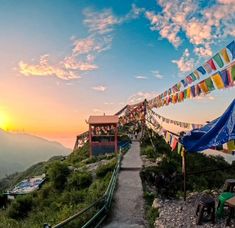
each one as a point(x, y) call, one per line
point(64, 60)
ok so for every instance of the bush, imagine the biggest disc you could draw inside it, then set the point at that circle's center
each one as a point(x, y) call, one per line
point(73, 197)
point(80, 180)
point(80, 154)
point(58, 173)
point(152, 214)
point(20, 207)
point(104, 169)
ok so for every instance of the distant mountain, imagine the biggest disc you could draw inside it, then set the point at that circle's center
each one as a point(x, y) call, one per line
point(19, 151)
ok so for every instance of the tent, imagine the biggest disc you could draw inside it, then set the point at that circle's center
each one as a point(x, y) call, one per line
point(215, 133)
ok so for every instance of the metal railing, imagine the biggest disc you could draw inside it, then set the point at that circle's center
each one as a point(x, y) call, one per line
point(104, 203)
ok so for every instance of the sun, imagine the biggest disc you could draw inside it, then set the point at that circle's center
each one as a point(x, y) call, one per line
point(3, 121)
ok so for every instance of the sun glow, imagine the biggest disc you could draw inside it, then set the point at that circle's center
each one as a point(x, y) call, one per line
point(3, 121)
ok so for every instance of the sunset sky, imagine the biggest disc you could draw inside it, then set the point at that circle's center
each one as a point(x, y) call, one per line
point(63, 60)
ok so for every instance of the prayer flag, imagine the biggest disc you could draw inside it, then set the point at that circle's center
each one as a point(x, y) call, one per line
point(218, 81)
point(224, 76)
point(207, 67)
point(189, 79)
point(193, 76)
point(184, 82)
point(218, 60)
point(188, 92)
point(224, 53)
point(201, 70)
point(231, 48)
point(179, 147)
point(209, 84)
point(174, 143)
point(193, 91)
point(232, 73)
point(231, 145)
point(197, 90)
point(211, 63)
point(196, 74)
point(185, 93)
point(203, 86)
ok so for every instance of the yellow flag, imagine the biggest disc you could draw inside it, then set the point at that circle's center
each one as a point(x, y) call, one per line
point(224, 53)
point(203, 86)
point(218, 81)
point(188, 92)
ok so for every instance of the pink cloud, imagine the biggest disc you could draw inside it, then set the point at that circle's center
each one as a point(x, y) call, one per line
point(99, 88)
point(184, 63)
point(43, 68)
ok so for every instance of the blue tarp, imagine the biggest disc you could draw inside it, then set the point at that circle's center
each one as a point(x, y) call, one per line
point(216, 133)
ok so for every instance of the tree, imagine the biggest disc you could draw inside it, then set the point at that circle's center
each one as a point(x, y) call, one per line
point(58, 174)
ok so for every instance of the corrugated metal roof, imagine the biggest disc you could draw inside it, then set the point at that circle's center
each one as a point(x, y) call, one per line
point(103, 119)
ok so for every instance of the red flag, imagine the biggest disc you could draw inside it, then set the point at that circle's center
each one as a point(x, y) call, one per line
point(211, 63)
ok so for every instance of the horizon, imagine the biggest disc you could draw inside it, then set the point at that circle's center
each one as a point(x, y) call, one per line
point(63, 61)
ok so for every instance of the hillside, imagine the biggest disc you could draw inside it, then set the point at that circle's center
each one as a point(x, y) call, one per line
point(19, 151)
point(72, 183)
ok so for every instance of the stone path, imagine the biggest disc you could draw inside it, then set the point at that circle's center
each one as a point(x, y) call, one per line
point(128, 205)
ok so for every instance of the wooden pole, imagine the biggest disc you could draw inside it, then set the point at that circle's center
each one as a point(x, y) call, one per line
point(184, 172)
point(90, 139)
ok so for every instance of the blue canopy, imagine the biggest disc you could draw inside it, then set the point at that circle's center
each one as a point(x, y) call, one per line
point(216, 133)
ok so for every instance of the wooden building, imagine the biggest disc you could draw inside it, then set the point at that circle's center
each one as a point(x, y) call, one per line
point(103, 134)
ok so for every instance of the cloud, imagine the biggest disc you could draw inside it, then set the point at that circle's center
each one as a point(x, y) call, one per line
point(141, 96)
point(157, 74)
point(141, 77)
point(100, 88)
point(43, 68)
point(184, 63)
point(203, 25)
point(84, 51)
point(101, 22)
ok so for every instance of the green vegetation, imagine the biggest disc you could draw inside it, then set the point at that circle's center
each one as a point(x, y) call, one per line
point(104, 169)
point(69, 188)
point(164, 177)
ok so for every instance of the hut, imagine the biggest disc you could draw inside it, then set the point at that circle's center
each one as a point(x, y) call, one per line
point(103, 134)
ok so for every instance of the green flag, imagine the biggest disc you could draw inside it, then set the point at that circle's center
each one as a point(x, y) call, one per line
point(218, 60)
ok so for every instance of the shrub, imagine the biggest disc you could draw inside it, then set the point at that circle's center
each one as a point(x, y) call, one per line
point(20, 207)
point(152, 214)
point(58, 173)
point(104, 169)
point(80, 180)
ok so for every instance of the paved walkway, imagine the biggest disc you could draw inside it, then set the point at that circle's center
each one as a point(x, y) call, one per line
point(128, 205)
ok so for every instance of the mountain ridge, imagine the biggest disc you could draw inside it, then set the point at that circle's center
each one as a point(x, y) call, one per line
point(19, 151)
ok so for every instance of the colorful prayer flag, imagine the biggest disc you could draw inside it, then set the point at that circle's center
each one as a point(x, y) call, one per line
point(184, 83)
point(231, 48)
point(193, 76)
point(203, 86)
point(209, 84)
point(201, 70)
point(232, 73)
point(211, 63)
point(207, 68)
point(193, 91)
point(224, 53)
point(188, 92)
point(224, 76)
point(218, 80)
point(196, 74)
point(218, 60)
point(189, 79)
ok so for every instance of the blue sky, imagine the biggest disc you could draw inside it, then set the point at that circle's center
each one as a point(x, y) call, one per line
point(64, 60)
